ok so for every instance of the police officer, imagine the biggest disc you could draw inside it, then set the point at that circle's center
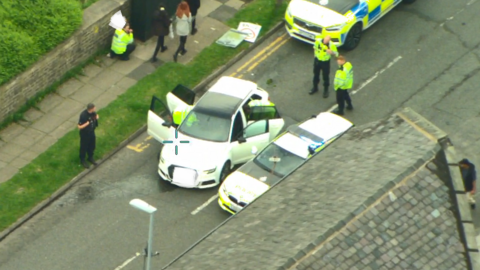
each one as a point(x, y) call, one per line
point(257, 103)
point(87, 124)
point(180, 114)
point(469, 176)
point(324, 49)
point(122, 43)
point(342, 83)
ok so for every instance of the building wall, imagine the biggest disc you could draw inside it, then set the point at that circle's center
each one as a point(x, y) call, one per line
point(94, 34)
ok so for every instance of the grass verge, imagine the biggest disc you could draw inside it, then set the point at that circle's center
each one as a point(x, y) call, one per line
point(59, 164)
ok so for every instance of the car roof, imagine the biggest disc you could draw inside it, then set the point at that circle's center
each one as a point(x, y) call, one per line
point(293, 144)
point(326, 125)
point(234, 87)
point(340, 6)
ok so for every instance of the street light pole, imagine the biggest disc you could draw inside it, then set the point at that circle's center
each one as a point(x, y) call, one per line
point(145, 207)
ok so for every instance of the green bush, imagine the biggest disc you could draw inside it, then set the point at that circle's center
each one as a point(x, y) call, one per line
point(31, 28)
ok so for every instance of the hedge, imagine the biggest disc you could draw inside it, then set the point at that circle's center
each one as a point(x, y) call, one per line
point(31, 28)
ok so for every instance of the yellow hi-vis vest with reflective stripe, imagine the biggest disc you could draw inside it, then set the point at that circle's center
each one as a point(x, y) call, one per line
point(321, 50)
point(344, 77)
point(180, 115)
point(259, 102)
point(120, 41)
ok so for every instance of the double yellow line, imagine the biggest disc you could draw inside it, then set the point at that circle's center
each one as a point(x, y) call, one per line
point(261, 56)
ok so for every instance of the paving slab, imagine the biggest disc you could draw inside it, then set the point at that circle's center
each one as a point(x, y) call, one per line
point(89, 72)
point(107, 61)
point(145, 51)
point(236, 4)
point(106, 79)
point(103, 100)
point(143, 70)
point(12, 149)
point(29, 155)
point(88, 93)
point(2, 165)
point(62, 129)
point(11, 132)
point(68, 108)
point(126, 83)
point(69, 87)
point(43, 144)
point(4, 157)
point(7, 173)
point(19, 163)
point(29, 137)
point(126, 67)
point(50, 102)
point(49, 122)
point(223, 13)
point(207, 7)
point(32, 115)
point(115, 91)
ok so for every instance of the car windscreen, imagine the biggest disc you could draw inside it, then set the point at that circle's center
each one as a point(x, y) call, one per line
point(278, 160)
point(206, 127)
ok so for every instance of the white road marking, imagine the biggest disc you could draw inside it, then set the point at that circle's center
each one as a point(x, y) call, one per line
point(369, 80)
point(128, 261)
point(194, 212)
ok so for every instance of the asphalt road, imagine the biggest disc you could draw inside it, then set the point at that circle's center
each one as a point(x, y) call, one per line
point(424, 56)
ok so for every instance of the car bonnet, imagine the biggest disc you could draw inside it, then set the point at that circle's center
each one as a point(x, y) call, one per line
point(244, 187)
point(315, 13)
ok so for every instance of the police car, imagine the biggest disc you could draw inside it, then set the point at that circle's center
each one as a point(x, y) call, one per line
point(342, 20)
point(280, 158)
point(216, 135)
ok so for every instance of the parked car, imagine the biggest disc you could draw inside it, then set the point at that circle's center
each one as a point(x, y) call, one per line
point(280, 158)
point(216, 135)
point(342, 20)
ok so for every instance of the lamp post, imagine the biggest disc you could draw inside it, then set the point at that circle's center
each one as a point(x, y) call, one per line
point(147, 208)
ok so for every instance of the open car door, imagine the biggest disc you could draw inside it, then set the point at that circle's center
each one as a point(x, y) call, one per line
point(270, 113)
point(180, 97)
point(159, 121)
point(256, 134)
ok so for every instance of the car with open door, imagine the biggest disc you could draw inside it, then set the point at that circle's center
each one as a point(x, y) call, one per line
point(280, 158)
point(216, 135)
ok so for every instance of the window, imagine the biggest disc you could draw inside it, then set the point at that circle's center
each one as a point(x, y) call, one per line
point(159, 108)
point(263, 112)
point(277, 160)
point(255, 129)
point(237, 127)
point(206, 127)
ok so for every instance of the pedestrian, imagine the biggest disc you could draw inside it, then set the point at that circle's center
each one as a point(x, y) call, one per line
point(469, 176)
point(87, 124)
point(194, 6)
point(122, 43)
point(161, 24)
point(324, 49)
point(343, 82)
point(182, 23)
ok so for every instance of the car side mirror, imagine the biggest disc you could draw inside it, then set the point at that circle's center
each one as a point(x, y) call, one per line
point(166, 124)
point(254, 150)
point(241, 139)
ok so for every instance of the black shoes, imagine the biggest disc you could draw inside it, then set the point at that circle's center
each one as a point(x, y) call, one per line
point(194, 31)
point(313, 91)
point(325, 93)
point(337, 112)
point(154, 59)
point(164, 49)
point(349, 108)
point(472, 205)
point(91, 160)
point(175, 58)
point(184, 52)
point(85, 165)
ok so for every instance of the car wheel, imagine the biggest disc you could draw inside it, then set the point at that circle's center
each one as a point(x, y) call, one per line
point(353, 37)
point(408, 1)
point(225, 171)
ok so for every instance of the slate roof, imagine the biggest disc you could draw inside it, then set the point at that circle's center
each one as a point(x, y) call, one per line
point(378, 198)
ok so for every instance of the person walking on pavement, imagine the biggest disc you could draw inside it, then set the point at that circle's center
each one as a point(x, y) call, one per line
point(469, 175)
point(161, 24)
point(87, 124)
point(122, 43)
point(194, 6)
point(342, 83)
point(324, 49)
point(183, 20)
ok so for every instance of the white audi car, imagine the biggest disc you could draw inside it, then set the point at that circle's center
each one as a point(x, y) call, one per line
point(217, 134)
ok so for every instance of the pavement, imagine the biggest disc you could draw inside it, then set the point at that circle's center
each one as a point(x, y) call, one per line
point(430, 67)
point(102, 82)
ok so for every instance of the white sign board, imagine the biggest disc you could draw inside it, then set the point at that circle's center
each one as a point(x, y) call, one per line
point(118, 21)
point(184, 177)
point(251, 29)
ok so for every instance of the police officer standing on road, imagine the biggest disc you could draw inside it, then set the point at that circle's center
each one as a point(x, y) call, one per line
point(342, 83)
point(324, 49)
point(87, 124)
point(469, 176)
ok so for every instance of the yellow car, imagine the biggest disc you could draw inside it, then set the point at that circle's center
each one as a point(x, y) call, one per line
point(342, 20)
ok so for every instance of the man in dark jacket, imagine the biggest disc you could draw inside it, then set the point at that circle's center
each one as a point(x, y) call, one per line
point(469, 176)
point(87, 124)
point(160, 25)
point(194, 6)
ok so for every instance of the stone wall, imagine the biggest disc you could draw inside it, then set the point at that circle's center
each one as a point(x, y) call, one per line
point(94, 34)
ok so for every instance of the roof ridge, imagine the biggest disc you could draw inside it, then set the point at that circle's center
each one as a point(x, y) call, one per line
point(371, 202)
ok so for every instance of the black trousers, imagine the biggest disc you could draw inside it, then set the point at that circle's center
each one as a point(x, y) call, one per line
point(342, 97)
point(124, 56)
point(323, 66)
point(160, 44)
point(87, 145)
point(181, 46)
point(194, 14)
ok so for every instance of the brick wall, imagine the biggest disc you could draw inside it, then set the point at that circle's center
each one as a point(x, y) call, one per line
point(94, 34)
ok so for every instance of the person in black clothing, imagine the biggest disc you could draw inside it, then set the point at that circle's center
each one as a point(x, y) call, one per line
point(194, 6)
point(161, 23)
point(87, 124)
point(469, 176)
